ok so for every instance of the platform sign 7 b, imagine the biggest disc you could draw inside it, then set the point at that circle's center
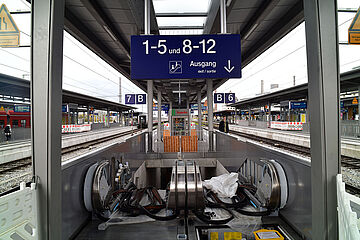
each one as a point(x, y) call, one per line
point(129, 98)
point(140, 98)
point(229, 97)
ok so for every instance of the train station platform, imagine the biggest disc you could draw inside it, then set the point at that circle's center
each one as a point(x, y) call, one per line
point(22, 149)
point(350, 147)
point(181, 185)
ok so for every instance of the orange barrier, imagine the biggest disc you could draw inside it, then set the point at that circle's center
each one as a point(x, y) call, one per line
point(189, 143)
point(166, 133)
point(171, 144)
point(193, 132)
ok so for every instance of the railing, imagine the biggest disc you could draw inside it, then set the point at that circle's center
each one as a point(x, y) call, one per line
point(18, 214)
point(347, 219)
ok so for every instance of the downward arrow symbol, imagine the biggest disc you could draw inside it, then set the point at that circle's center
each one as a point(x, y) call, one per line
point(229, 68)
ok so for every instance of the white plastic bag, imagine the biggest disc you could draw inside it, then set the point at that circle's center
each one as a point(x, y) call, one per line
point(224, 185)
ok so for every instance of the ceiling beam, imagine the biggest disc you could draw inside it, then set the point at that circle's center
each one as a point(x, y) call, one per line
point(101, 17)
point(283, 26)
point(258, 17)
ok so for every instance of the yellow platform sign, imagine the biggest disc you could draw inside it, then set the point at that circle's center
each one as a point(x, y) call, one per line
point(9, 32)
point(355, 101)
point(354, 29)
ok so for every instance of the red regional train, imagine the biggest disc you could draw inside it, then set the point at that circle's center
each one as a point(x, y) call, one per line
point(15, 119)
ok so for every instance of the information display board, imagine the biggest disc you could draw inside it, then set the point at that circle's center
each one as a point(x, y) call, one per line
point(184, 57)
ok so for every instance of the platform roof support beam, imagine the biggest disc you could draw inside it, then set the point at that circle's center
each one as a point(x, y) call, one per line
point(96, 11)
point(209, 83)
point(46, 100)
point(323, 74)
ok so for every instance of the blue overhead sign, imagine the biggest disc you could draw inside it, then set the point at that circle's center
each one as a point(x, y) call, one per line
point(164, 107)
point(65, 108)
point(298, 105)
point(184, 57)
point(194, 106)
point(22, 108)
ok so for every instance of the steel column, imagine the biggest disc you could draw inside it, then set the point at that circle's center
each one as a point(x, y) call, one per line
point(147, 17)
point(269, 112)
point(199, 115)
point(150, 92)
point(323, 74)
point(223, 16)
point(159, 118)
point(189, 115)
point(359, 105)
point(169, 117)
point(46, 101)
point(87, 114)
point(209, 83)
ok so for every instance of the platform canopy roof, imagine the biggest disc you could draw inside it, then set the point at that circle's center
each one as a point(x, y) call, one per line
point(105, 26)
point(20, 88)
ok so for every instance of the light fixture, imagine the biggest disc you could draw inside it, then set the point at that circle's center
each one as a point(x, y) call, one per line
point(251, 30)
point(110, 33)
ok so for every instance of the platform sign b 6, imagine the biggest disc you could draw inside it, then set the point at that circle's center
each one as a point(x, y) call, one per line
point(224, 97)
point(219, 98)
point(229, 97)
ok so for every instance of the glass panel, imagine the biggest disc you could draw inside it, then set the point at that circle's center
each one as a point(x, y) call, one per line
point(349, 100)
point(180, 21)
point(15, 132)
point(182, 32)
point(181, 6)
point(351, 4)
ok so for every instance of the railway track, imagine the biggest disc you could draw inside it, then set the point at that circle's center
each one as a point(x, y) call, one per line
point(97, 141)
point(15, 165)
point(348, 162)
point(12, 173)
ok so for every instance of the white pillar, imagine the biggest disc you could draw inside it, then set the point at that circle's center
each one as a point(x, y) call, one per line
point(46, 100)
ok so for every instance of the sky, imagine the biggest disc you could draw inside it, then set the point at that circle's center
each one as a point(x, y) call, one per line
point(84, 72)
point(287, 59)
